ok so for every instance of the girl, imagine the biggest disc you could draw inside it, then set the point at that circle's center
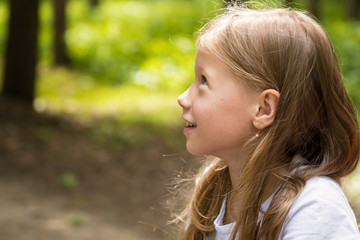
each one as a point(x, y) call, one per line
point(269, 106)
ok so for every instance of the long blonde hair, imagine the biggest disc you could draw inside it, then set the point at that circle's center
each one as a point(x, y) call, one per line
point(288, 51)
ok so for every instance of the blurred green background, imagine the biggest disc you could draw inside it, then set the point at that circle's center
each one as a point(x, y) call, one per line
point(128, 62)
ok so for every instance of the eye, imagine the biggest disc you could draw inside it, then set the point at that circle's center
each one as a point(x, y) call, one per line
point(204, 80)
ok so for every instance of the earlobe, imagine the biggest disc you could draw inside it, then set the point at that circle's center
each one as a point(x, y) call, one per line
point(267, 108)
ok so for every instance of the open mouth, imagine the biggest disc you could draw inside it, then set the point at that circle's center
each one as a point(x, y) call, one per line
point(188, 124)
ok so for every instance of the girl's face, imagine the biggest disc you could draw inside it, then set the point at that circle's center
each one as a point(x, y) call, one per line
point(218, 110)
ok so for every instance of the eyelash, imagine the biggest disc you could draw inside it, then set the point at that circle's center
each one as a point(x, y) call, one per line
point(203, 80)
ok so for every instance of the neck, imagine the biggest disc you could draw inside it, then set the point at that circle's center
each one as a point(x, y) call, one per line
point(236, 168)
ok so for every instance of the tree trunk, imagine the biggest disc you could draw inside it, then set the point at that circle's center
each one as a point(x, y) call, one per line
point(60, 50)
point(21, 51)
point(353, 7)
point(314, 8)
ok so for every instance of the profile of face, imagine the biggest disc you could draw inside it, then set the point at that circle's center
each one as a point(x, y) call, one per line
point(218, 109)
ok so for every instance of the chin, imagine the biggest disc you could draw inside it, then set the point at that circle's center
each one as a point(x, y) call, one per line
point(195, 151)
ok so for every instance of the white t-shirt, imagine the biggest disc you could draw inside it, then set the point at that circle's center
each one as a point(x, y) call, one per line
point(321, 212)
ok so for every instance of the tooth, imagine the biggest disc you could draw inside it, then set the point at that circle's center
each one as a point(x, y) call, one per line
point(190, 124)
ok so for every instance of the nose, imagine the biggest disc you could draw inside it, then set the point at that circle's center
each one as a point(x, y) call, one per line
point(184, 100)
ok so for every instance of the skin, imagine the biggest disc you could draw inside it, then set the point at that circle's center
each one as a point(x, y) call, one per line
point(221, 108)
point(222, 114)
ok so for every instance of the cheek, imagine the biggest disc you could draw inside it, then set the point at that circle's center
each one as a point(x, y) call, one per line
point(205, 115)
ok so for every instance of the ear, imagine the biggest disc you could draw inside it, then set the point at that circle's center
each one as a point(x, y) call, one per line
point(267, 107)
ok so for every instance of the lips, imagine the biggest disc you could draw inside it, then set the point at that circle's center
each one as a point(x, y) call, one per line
point(189, 127)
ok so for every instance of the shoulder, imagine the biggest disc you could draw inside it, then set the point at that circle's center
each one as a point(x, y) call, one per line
point(322, 193)
point(321, 211)
point(323, 190)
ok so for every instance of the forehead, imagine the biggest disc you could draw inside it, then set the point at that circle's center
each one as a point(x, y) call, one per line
point(217, 70)
point(209, 62)
point(213, 68)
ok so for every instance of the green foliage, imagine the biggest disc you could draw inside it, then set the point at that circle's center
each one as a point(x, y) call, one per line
point(3, 24)
point(46, 32)
point(68, 91)
point(149, 43)
point(346, 39)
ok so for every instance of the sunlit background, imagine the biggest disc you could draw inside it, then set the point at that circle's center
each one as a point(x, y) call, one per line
point(95, 158)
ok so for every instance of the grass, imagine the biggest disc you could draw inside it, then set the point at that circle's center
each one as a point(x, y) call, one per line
point(121, 116)
point(67, 91)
